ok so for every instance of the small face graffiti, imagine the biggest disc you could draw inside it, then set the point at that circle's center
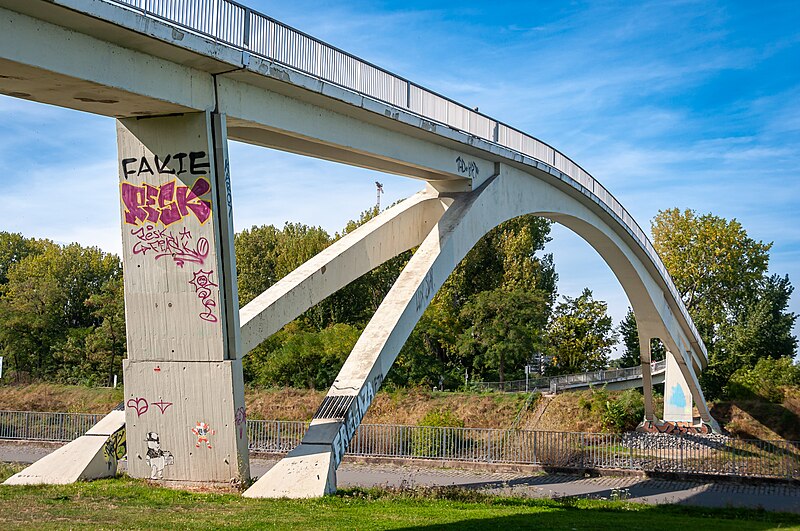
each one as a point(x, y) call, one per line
point(203, 431)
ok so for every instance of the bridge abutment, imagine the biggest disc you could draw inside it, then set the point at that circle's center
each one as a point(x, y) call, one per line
point(184, 392)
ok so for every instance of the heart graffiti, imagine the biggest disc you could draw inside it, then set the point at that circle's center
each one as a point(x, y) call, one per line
point(139, 405)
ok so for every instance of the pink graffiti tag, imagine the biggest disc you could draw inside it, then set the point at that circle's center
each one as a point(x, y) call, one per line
point(139, 405)
point(162, 405)
point(163, 243)
point(166, 204)
point(202, 285)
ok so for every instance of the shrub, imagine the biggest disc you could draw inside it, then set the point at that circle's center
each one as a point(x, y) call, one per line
point(433, 439)
point(766, 380)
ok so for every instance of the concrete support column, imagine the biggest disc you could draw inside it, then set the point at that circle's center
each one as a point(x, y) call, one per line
point(647, 377)
point(677, 395)
point(184, 392)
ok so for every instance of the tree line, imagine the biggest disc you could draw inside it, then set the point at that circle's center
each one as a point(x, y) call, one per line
point(62, 310)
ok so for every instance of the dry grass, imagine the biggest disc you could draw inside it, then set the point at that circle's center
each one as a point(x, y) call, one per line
point(564, 412)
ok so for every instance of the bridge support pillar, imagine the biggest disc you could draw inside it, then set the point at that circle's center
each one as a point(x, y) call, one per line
point(184, 392)
point(677, 396)
point(647, 377)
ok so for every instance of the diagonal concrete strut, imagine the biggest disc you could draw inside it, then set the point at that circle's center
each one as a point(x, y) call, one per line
point(310, 469)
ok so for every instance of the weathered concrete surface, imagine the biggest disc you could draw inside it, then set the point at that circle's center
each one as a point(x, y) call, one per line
point(308, 471)
point(470, 215)
point(87, 457)
point(183, 376)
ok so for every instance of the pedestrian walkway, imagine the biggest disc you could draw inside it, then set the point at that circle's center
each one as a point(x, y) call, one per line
point(769, 496)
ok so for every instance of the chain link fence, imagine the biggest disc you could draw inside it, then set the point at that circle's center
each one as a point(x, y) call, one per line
point(691, 454)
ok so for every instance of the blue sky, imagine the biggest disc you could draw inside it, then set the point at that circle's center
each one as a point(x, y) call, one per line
point(668, 104)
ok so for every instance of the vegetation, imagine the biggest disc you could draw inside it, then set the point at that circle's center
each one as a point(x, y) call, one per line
point(62, 312)
point(580, 334)
point(721, 274)
point(61, 315)
point(107, 503)
point(631, 356)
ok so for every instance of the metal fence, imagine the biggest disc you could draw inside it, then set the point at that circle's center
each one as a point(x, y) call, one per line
point(35, 426)
point(565, 381)
point(650, 453)
point(236, 25)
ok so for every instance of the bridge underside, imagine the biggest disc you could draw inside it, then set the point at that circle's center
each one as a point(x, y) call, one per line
point(309, 470)
point(119, 63)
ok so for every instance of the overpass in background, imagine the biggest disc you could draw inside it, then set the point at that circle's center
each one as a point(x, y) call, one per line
point(181, 77)
point(612, 379)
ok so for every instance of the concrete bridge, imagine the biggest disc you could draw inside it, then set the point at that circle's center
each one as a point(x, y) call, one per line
point(183, 77)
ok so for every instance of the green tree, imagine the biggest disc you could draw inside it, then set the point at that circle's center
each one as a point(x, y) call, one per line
point(580, 334)
point(505, 260)
point(506, 328)
point(721, 274)
point(713, 262)
point(303, 358)
point(629, 333)
point(13, 248)
point(45, 318)
point(106, 341)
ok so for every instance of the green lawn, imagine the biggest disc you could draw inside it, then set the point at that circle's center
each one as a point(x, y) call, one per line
point(127, 503)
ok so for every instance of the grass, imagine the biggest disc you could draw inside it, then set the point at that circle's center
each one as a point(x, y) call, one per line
point(127, 503)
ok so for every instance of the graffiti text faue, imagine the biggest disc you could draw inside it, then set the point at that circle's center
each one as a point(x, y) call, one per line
point(165, 204)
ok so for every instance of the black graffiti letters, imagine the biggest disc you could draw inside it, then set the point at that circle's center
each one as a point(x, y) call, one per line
point(171, 164)
point(196, 164)
point(467, 168)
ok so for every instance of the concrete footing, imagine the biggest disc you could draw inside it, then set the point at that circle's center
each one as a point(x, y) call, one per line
point(308, 471)
point(91, 456)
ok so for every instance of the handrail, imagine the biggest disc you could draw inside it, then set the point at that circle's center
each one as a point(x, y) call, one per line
point(236, 25)
point(589, 377)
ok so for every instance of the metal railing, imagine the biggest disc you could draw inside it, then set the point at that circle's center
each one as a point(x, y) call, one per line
point(568, 380)
point(236, 25)
point(650, 453)
point(36, 426)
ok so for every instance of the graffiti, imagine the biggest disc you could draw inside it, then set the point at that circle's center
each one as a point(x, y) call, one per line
point(198, 164)
point(202, 285)
point(203, 431)
point(241, 421)
point(162, 243)
point(157, 458)
point(140, 405)
point(115, 447)
point(162, 405)
point(467, 168)
point(165, 204)
point(425, 292)
point(228, 194)
point(674, 428)
point(353, 419)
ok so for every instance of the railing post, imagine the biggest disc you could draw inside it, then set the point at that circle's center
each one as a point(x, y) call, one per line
point(246, 30)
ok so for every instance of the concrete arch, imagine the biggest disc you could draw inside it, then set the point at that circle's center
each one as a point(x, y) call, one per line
point(310, 469)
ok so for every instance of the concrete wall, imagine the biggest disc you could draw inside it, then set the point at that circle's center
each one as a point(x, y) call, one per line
point(183, 382)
